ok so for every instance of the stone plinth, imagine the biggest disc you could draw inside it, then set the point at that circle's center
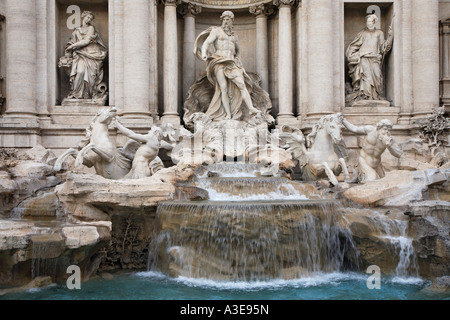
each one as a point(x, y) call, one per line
point(371, 104)
point(371, 114)
point(84, 102)
point(75, 112)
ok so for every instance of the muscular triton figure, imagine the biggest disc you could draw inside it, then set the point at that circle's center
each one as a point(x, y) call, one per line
point(147, 152)
point(220, 50)
point(377, 140)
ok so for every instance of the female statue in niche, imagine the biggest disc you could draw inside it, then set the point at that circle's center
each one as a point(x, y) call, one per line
point(365, 55)
point(83, 61)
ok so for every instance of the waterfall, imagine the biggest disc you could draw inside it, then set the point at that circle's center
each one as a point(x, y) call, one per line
point(234, 169)
point(407, 265)
point(249, 241)
point(253, 188)
point(41, 266)
point(395, 231)
point(256, 226)
point(47, 247)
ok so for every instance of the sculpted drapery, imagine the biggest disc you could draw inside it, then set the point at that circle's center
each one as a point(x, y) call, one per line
point(365, 55)
point(232, 68)
point(85, 54)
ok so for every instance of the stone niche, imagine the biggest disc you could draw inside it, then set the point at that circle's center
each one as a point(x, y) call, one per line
point(355, 20)
point(63, 34)
point(244, 28)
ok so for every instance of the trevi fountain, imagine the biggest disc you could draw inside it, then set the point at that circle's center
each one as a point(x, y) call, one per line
point(197, 149)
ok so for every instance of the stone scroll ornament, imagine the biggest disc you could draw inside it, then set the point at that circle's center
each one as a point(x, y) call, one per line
point(83, 60)
point(366, 55)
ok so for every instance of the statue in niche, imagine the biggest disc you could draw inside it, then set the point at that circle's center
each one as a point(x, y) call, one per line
point(365, 56)
point(377, 140)
point(83, 61)
point(232, 86)
point(145, 161)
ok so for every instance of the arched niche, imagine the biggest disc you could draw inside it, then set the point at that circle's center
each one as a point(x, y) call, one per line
point(354, 21)
point(64, 11)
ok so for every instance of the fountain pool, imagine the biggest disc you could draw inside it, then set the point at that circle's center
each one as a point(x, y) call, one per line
point(157, 286)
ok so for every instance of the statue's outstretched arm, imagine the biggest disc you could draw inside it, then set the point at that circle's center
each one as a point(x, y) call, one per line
point(395, 149)
point(166, 145)
point(131, 134)
point(355, 129)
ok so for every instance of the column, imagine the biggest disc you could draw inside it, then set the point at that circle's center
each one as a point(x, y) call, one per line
point(407, 106)
point(425, 48)
point(444, 34)
point(261, 12)
point(112, 53)
point(170, 63)
point(153, 32)
point(320, 58)
point(118, 63)
point(285, 63)
point(136, 57)
point(189, 11)
point(21, 57)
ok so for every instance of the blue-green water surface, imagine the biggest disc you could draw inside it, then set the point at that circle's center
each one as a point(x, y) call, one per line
point(156, 286)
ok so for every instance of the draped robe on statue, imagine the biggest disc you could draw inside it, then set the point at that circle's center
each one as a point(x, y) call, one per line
point(366, 73)
point(86, 70)
point(232, 68)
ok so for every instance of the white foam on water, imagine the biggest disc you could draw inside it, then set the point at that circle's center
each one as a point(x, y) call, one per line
point(152, 274)
point(284, 191)
point(315, 280)
point(235, 170)
point(408, 280)
point(219, 196)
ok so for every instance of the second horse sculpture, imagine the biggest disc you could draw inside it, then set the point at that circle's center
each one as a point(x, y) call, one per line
point(321, 153)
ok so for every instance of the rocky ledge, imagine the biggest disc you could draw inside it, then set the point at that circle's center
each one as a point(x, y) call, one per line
point(49, 222)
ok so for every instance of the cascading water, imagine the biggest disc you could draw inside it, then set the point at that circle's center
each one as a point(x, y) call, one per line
point(250, 188)
point(395, 231)
point(254, 228)
point(43, 262)
point(249, 241)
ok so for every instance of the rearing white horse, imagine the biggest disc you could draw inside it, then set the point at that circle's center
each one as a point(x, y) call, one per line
point(98, 150)
point(318, 157)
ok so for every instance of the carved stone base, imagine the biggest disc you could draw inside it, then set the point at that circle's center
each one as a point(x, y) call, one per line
point(231, 140)
point(371, 103)
point(233, 133)
point(371, 115)
point(84, 102)
point(75, 114)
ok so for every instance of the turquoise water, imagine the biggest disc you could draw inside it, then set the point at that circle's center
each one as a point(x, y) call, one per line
point(156, 286)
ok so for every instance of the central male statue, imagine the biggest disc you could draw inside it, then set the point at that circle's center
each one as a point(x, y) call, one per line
point(220, 50)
